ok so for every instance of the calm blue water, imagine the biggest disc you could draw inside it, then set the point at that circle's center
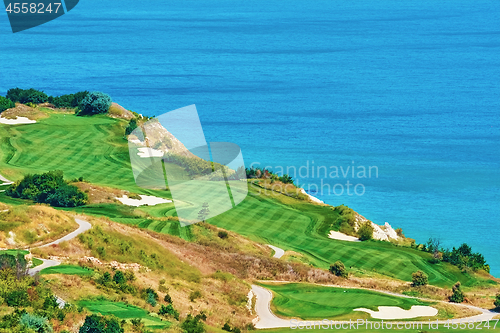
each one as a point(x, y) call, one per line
point(411, 87)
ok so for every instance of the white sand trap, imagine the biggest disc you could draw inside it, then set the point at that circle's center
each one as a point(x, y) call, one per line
point(149, 152)
point(145, 200)
point(340, 236)
point(394, 312)
point(17, 121)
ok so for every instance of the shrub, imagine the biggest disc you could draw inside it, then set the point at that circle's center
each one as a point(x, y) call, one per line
point(419, 279)
point(497, 301)
point(458, 295)
point(5, 104)
point(132, 125)
point(169, 310)
point(222, 234)
point(27, 96)
point(150, 296)
point(167, 298)
point(365, 231)
point(36, 323)
point(94, 103)
point(226, 327)
point(338, 269)
point(193, 324)
point(99, 324)
point(48, 188)
point(194, 295)
point(119, 277)
point(69, 100)
point(17, 298)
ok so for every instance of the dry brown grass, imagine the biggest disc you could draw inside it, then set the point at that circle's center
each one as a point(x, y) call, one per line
point(118, 111)
point(33, 225)
point(100, 194)
point(21, 110)
point(448, 310)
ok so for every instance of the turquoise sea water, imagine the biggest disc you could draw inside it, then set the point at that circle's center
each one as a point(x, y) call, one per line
point(409, 87)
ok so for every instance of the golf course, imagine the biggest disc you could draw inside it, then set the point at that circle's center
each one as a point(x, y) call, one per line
point(95, 148)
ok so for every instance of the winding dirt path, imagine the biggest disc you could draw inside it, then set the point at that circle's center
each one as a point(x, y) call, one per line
point(267, 319)
point(278, 253)
point(82, 227)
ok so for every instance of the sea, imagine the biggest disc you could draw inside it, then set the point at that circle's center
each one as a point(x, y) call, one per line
point(404, 93)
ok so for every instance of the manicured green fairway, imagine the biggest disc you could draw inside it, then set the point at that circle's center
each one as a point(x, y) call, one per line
point(317, 302)
point(123, 311)
point(94, 148)
point(67, 269)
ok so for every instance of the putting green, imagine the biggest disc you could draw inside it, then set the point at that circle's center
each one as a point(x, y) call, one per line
point(66, 269)
point(123, 311)
point(318, 302)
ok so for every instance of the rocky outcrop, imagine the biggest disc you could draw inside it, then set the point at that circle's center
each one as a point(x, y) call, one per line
point(384, 233)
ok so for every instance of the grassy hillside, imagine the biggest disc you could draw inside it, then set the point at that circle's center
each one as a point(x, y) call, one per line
point(95, 148)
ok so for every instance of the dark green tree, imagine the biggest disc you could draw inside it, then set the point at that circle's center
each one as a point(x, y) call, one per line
point(99, 324)
point(119, 277)
point(132, 125)
point(365, 231)
point(5, 104)
point(193, 324)
point(457, 296)
point(497, 301)
point(339, 269)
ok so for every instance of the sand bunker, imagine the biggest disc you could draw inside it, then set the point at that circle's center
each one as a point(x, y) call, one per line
point(145, 200)
point(394, 312)
point(149, 152)
point(341, 236)
point(17, 121)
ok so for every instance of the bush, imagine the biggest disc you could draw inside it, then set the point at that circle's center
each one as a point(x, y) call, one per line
point(193, 324)
point(458, 295)
point(119, 278)
point(169, 310)
point(365, 231)
point(17, 298)
point(68, 101)
point(167, 298)
point(132, 125)
point(36, 323)
point(94, 103)
point(99, 324)
point(48, 188)
point(5, 104)
point(338, 269)
point(150, 296)
point(222, 234)
point(419, 279)
point(27, 96)
point(194, 295)
point(497, 301)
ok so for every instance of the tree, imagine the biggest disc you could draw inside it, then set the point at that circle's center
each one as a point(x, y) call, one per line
point(169, 310)
point(100, 324)
point(5, 104)
point(203, 213)
point(419, 279)
point(132, 125)
point(67, 196)
point(27, 96)
point(497, 301)
point(167, 298)
point(119, 277)
point(36, 323)
point(193, 324)
point(458, 295)
point(338, 269)
point(94, 103)
point(365, 231)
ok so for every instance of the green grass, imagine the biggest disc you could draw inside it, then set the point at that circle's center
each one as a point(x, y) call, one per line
point(123, 311)
point(94, 148)
point(36, 262)
point(14, 252)
point(318, 302)
point(66, 269)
